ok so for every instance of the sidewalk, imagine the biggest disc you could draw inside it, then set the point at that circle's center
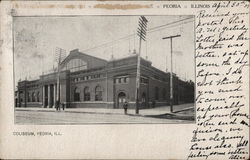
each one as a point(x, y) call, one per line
point(179, 110)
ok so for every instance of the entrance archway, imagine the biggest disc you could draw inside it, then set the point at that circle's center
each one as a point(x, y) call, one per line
point(121, 98)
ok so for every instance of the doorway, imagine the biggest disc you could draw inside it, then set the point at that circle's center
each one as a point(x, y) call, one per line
point(121, 98)
point(144, 100)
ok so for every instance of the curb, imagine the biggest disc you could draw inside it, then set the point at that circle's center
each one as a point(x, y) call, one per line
point(185, 109)
point(173, 115)
point(68, 111)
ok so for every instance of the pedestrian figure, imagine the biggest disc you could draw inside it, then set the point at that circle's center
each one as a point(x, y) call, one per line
point(125, 106)
point(153, 104)
point(63, 105)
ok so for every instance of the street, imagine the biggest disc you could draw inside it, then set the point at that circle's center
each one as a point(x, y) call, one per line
point(94, 116)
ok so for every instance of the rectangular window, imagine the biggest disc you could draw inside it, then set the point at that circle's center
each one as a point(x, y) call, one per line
point(125, 80)
point(121, 80)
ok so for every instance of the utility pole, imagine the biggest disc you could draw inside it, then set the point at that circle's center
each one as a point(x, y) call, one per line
point(60, 54)
point(141, 32)
point(25, 92)
point(171, 70)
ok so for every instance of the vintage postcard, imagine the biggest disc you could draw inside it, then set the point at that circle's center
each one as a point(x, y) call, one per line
point(124, 80)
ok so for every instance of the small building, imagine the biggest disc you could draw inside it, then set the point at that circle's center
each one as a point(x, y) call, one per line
point(88, 81)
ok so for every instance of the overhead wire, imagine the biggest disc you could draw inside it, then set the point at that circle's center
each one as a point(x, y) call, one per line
point(150, 30)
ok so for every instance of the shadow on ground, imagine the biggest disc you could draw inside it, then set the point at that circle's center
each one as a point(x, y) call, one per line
point(172, 116)
point(181, 115)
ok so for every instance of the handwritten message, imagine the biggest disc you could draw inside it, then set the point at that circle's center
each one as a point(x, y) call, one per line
point(222, 82)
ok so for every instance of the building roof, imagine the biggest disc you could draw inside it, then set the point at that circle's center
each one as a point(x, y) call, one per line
point(76, 52)
point(91, 61)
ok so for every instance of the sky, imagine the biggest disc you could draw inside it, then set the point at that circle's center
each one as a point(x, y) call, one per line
point(35, 40)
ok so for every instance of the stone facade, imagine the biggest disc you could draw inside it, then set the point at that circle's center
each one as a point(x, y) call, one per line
point(87, 81)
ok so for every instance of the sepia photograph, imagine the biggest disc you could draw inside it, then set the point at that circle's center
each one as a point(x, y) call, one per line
point(119, 69)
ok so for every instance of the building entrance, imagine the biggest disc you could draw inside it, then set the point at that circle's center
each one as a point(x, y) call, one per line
point(121, 98)
point(143, 100)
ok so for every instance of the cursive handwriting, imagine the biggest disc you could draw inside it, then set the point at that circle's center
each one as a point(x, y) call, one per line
point(222, 65)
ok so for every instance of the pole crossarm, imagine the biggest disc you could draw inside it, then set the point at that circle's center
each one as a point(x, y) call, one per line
point(143, 32)
point(144, 19)
point(171, 36)
point(141, 35)
point(60, 54)
point(142, 26)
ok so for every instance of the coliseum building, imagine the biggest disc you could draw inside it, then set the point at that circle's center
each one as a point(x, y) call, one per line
point(87, 81)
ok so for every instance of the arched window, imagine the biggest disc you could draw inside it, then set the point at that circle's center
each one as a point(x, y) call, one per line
point(156, 93)
point(86, 94)
point(38, 97)
point(98, 93)
point(164, 93)
point(33, 97)
point(76, 94)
